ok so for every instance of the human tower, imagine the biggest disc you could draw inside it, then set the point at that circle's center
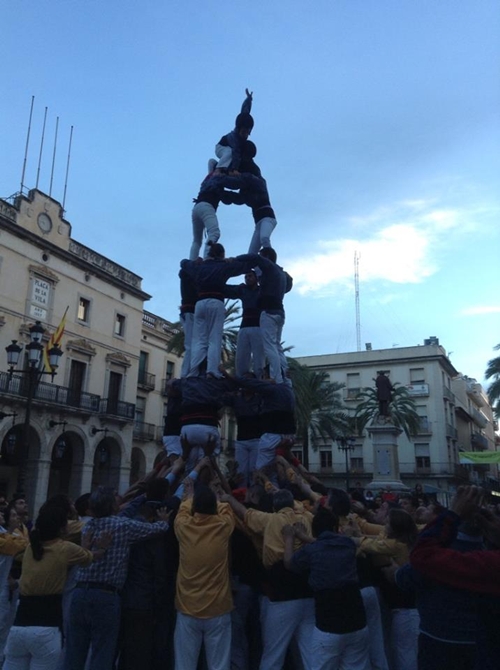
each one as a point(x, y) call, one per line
point(261, 393)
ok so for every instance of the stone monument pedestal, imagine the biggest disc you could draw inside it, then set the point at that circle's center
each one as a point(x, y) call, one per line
point(384, 438)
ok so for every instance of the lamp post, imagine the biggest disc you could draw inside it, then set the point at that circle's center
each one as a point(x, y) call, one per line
point(346, 444)
point(34, 349)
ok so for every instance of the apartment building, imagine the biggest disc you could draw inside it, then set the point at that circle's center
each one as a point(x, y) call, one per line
point(454, 415)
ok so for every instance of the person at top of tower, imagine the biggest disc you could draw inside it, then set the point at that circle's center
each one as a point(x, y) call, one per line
point(230, 147)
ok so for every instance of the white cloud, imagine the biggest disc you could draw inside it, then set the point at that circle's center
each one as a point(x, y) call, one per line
point(481, 309)
point(400, 248)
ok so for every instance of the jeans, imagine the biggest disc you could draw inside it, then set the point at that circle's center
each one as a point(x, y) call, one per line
point(187, 321)
point(94, 621)
point(207, 336)
point(281, 621)
point(215, 633)
point(204, 218)
point(271, 326)
point(33, 648)
point(249, 351)
point(349, 651)
point(262, 234)
point(246, 456)
point(378, 658)
point(405, 625)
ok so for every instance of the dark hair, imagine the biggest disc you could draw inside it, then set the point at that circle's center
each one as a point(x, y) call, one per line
point(50, 523)
point(339, 502)
point(269, 253)
point(82, 504)
point(157, 489)
point(7, 512)
point(244, 120)
point(102, 502)
point(215, 250)
point(324, 520)
point(204, 500)
point(402, 527)
point(61, 501)
point(18, 496)
point(281, 499)
point(249, 150)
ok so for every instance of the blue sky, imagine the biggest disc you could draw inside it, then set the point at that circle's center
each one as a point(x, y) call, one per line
point(377, 129)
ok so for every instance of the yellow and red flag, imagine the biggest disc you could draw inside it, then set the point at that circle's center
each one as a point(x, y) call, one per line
point(54, 339)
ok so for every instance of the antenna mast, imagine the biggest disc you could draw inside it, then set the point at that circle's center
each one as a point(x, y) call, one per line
point(27, 144)
point(67, 167)
point(54, 157)
point(41, 148)
point(356, 294)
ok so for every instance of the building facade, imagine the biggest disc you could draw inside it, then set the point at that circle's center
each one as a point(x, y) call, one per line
point(454, 416)
point(83, 428)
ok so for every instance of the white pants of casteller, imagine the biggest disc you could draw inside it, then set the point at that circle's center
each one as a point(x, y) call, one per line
point(405, 625)
point(204, 218)
point(348, 651)
point(172, 445)
point(378, 658)
point(281, 621)
point(262, 234)
point(249, 351)
point(207, 336)
point(197, 434)
point(215, 633)
point(224, 154)
point(245, 453)
point(268, 444)
point(187, 321)
point(33, 648)
point(271, 326)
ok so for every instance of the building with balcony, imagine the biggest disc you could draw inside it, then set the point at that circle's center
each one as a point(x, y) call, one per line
point(84, 422)
point(431, 457)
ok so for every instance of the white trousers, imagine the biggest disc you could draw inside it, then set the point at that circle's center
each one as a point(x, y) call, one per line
point(207, 336)
point(172, 445)
point(262, 234)
point(348, 651)
point(245, 453)
point(268, 444)
point(215, 633)
point(224, 154)
point(187, 321)
point(271, 326)
point(249, 352)
point(33, 648)
point(204, 218)
point(197, 435)
point(281, 621)
point(405, 625)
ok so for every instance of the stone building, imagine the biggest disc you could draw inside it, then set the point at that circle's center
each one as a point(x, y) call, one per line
point(454, 416)
point(88, 425)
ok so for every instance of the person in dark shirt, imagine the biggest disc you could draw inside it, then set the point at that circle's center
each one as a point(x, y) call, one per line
point(230, 147)
point(340, 638)
point(246, 406)
point(172, 425)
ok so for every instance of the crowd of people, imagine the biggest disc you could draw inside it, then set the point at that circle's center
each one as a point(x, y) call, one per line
point(195, 570)
point(262, 566)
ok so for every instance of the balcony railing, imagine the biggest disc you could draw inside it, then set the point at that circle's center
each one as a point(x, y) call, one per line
point(159, 434)
point(479, 418)
point(451, 431)
point(146, 380)
point(351, 394)
point(448, 393)
point(144, 431)
point(478, 441)
point(424, 427)
point(164, 383)
point(50, 393)
point(117, 408)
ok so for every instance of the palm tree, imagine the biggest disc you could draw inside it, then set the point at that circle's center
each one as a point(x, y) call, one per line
point(493, 370)
point(319, 408)
point(229, 335)
point(402, 410)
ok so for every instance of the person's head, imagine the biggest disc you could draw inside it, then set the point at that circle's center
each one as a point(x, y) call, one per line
point(102, 502)
point(244, 124)
point(339, 502)
point(50, 524)
point(281, 499)
point(215, 250)
point(251, 279)
point(400, 526)
point(157, 489)
point(436, 509)
point(204, 501)
point(62, 501)
point(324, 520)
point(19, 502)
point(249, 151)
point(11, 518)
point(82, 505)
point(408, 503)
point(418, 489)
point(269, 253)
point(423, 515)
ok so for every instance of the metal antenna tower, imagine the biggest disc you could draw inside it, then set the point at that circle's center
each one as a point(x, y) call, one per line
point(356, 294)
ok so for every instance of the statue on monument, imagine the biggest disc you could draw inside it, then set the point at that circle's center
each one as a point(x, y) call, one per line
point(384, 395)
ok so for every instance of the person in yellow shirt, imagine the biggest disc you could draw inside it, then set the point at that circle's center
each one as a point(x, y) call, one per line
point(203, 595)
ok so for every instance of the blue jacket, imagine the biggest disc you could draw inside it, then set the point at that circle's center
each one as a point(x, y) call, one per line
point(211, 275)
point(250, 302)
point(278, 405)
point(274, 283)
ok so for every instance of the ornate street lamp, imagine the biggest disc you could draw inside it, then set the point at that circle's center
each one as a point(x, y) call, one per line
point(34, 350)
point(346, 444)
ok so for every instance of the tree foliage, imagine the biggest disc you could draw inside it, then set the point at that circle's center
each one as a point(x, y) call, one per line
point(493, 372)
point(402, 410)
